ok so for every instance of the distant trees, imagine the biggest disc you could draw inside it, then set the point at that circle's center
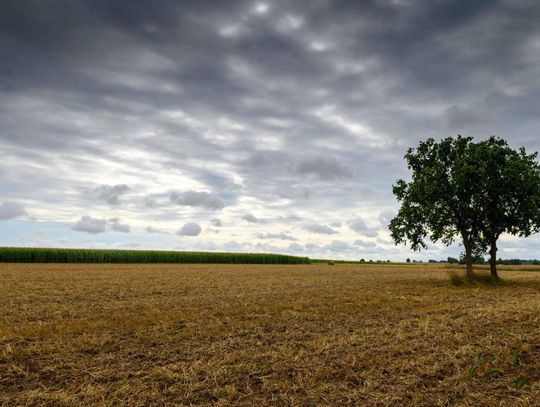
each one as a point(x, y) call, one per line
point(476, 259)
point(518, 262)
point(466, 190)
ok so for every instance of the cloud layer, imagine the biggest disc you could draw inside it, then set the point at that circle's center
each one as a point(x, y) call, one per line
point(279, 119)
point(11, 210)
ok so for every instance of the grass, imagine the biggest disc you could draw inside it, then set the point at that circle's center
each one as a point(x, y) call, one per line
point(268, 335)
point(458, 278)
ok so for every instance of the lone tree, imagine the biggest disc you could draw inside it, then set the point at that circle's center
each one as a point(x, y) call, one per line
point(467, 190)
point(508, 193)
point(438, 202)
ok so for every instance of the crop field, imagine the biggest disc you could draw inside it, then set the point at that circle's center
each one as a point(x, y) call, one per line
point(267, 335)
point(50, 255)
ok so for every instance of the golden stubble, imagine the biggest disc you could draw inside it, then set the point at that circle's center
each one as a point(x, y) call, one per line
point(279, 335)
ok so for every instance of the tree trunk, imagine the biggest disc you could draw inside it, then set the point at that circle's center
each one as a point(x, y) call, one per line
point(468, 258)
point(468, 261)
point(493, 259)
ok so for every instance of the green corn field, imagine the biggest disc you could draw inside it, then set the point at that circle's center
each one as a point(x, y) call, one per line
point(47, 255)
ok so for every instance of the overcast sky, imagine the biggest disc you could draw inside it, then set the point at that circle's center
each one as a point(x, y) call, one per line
point(274, 126)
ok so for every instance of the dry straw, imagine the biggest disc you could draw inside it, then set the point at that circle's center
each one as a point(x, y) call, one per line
point(244, 335)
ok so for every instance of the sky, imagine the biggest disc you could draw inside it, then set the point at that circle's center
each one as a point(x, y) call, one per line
point(249, 126)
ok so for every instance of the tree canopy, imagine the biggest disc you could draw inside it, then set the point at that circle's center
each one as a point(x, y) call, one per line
point(468, 191)
point(508, 194)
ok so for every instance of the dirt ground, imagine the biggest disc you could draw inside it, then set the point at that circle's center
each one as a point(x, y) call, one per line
point(243, 335)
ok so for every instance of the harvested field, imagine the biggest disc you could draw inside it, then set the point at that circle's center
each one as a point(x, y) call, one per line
point(268, 335)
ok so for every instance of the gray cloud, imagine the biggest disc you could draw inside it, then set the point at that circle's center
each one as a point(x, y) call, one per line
point(359, 226)
point(90, 225)
point(385, 218)
point(10, 210)
point(151, 229)
point(364, 243)
point(117, 226)
point(458, 116)
point(289, 218)
point(111, 193)
point(190, 229)
point(216, 222)
point(280, 236)
point(315, 167)
point(250, 218)
point(296, 247)
point(312, 247)
point(197, 199)
point(294, 192)
point(321, 229)
point(337, 246)
point(323, 168)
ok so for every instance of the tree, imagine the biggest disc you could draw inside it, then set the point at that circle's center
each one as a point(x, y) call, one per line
point(508, 192)
point(475, 191)
point(438, 202)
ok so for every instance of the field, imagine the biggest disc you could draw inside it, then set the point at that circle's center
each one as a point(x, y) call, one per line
point(52, 255)
point(267, 335)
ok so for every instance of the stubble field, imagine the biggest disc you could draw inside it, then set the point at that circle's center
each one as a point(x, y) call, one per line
point(279, 335)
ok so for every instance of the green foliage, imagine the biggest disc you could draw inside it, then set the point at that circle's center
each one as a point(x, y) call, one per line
point(518, 262)
point(509, 191)
point(437, 202)
point(476, 258)
point(484, 368)
point(513, 262)
point(458, 279)
point(522, 381)
point(473, 370)
point(474, 191)
point(480, 358)
point(514, 357)
point(43, 255)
